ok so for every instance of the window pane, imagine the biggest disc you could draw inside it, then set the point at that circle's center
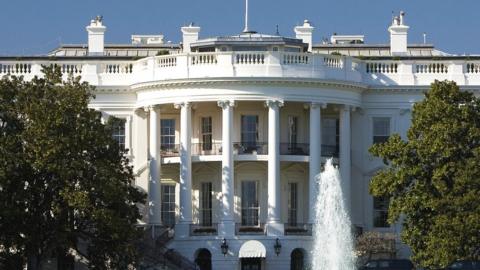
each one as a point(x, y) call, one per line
point(292, 203)
point(292, 131)
point(206, 133)
point(380, 212)
point(167, 134)
point(118, 132)
point(381, 129)
point(168, 205)
point(250, 209)
point(206, 204)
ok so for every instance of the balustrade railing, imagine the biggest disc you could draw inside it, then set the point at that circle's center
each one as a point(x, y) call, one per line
point(167, 61)
point(170, 150)
point(202, 229)
point(206, 149)
point(473, 68)
point(298, 228)
point(431, 68)
point(250, 148)
point(15, 68)
point(117, 68)
point(249, 229)
point(333, 62)
point(249, 58)
point(296, 58)
point(203, 59)
point(380, 67)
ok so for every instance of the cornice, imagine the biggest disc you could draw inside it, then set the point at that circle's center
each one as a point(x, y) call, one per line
point(413, 89)
point(172, 84)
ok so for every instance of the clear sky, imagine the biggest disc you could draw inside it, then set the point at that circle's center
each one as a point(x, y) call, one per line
point(31, 27)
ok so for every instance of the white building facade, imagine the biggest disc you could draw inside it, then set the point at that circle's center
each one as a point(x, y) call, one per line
point(227, 134)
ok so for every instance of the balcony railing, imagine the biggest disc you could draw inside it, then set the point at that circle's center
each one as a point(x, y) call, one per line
point(201, 229)
point(241, 229)
point(295, 149)
point(298, 229)
point(170, 150)
point(206, 149)
point(250, 148)
point(330, 150)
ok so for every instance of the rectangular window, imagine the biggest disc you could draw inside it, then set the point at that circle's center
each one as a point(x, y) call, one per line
point(292, 203)
point(330, 137)
point(249, 132)
point(118, 132)
point(380, 212)
point(168, 205)
point(167, 134)
point(206, 133)
point(206, 194)
point(250, 209)
point(381, 129)
point(292, 131)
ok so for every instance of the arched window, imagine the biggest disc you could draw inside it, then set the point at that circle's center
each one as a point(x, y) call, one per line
point(204, 259)
point(296, 259)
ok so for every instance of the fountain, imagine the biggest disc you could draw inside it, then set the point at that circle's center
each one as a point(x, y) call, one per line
point(333, 243)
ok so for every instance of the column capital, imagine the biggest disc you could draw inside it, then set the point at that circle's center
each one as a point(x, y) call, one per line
point(226, 103)
point(152, 108)
point(315, 105)
point(179, 105)
point(274, 103)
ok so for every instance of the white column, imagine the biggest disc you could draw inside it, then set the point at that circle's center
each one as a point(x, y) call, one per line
point(315, 156)
point(154, 186)
point(345, 152)
point(275, 227)
point(227, 222)
point(185, 215)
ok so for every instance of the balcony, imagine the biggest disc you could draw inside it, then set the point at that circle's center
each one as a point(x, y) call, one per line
point(203, 229)
point(170, 150)
point(242, 229)
point(206, 149)
point(250, 148)
point(296, 149)
point(298, 229)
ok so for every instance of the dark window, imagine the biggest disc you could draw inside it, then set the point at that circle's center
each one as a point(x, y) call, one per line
point(380, 212)
point(250, 209)
point(292, 131)
point(292, 203)
point(330, 137)
point(167, 134)
point(206, 204)
point(249, 130)
point(204, 259)
point(118, 132)
point(296, 260)
point(168, 205)
point(206, 133)
point(381, 129)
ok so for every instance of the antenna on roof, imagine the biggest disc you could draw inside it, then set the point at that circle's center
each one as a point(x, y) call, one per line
point(246, 30)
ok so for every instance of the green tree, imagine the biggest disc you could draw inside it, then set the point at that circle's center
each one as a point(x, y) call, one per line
point(433, 178)
point(65, 186)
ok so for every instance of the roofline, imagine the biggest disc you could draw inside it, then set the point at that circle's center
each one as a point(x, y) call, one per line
point(369, 46)
point(60, 58)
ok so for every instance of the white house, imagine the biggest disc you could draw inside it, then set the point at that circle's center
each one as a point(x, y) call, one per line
point(226, 134)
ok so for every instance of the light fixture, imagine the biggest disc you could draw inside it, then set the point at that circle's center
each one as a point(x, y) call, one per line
point(277, 246)
point(224, 247)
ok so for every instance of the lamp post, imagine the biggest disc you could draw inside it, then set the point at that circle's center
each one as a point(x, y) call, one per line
point(277, 246)
point(224, 247)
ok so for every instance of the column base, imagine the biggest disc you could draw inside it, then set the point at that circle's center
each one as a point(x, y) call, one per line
point(275, 229)
point(226, 228)
point(182, 230)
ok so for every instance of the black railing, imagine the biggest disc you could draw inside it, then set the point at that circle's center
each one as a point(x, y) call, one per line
point(250, 148)
point(247, 229)
point(170, 150)
point(298, 229)
point(205, 149)
point(296, 149)
point(330, 150)
point(201, 229)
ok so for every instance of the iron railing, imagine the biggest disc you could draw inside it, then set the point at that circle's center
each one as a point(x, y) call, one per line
point(298, 229)
point(202, 229)
point(205, 149)
point(241, 229)
point(250, 148)
point(170, 150)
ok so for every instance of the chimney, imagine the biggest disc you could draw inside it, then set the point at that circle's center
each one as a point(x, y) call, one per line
point(398, 35)
point(190, 35)
point(96, 34)
point(304, 32)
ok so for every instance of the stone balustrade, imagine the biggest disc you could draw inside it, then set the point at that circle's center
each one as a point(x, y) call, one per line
point(111, 71)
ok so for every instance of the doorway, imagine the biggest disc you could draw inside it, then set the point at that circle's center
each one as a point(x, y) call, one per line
point(251, 264)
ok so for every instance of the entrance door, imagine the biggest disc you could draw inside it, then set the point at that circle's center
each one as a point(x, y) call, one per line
point(251, 264)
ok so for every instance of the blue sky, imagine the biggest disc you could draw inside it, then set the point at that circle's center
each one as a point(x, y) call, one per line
point(37, 26)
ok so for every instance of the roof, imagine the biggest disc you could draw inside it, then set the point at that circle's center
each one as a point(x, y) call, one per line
point(249, 39)
point(377, 50)
point(116, 50)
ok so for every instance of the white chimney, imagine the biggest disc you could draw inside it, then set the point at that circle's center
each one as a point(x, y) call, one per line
point(190, 35)
point(398, 35)
point(96, 34)
point(304, 32)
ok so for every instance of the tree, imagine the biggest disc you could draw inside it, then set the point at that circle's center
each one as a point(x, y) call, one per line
point(433, 178)
point(65, 186)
